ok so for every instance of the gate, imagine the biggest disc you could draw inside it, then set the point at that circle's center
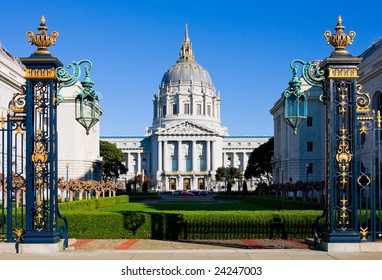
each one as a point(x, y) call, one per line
point(13, 180)
point(368, 169)
point(12, 177)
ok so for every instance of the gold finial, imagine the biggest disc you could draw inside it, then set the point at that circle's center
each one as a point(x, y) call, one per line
point(339, 19)
point(339, 40)
point(42, 40)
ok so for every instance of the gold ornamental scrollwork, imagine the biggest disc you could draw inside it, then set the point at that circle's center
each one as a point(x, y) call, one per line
point(363, 232)
point(39, 216)
point(40, 73)
point(363, 180)
point(344, 156)
point(362, 100)
point(379, 119)
point(344, 217)
point(18, 233)
point(39, 158)
point(342, 91)
point(39, 155)
point(343, 73)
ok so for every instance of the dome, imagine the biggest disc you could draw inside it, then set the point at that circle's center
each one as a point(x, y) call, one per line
point(186, 72)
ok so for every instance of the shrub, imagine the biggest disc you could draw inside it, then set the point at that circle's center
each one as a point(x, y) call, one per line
point(174, 225)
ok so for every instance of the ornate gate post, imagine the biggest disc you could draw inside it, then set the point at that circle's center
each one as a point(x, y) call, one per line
point(337, 76)
point(340, 92)
point(41, 140)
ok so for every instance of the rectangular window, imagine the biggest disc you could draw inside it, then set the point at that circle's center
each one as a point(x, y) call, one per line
point(203, 166)
point(309, 121)
point(198, 109)
point(310, 168)
point(309, 146)
point(164, 111)
point(187, 109)
point(188, 164)
point(209, 110)
point(174, 164)
point(174, 109)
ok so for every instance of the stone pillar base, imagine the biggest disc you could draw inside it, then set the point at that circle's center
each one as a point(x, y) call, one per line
point(351, 247)
point(41, 248)
point(7, 247)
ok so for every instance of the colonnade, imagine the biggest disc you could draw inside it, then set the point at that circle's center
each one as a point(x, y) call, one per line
point(182, 151)
point(236, 159)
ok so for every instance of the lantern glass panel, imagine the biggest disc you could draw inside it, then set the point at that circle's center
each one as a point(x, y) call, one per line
point(295, 110)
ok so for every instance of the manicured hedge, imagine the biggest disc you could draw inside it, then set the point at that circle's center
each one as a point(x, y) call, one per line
point(173, 225)
point(93, 204)
point(276, 203)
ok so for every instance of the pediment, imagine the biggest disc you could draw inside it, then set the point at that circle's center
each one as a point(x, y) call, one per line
point(186, 128)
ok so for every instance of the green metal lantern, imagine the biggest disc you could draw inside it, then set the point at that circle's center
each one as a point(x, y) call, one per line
point(295, 103)
point(87, 109)
point(87, 104)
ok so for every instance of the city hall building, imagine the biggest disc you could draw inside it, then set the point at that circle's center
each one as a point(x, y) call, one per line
point(186, 142)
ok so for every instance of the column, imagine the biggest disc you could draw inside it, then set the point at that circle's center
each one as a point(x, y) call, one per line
point(208, 155)
point(245, 159)
point(139, 167)
point(180, 182)
point(227, 162)
point(148, 162)
point(165, 167)
point(194, 159)
point(213, 156)
point(160, 167)
point(127, 164)
point(180, 156)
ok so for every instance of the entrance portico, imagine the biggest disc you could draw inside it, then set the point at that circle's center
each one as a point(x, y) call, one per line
point(186, 158)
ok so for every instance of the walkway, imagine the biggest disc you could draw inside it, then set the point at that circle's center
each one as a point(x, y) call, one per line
point(248, 249)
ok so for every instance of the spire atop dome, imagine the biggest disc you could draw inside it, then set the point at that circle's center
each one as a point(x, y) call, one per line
point(186, 53)
point(186, 38)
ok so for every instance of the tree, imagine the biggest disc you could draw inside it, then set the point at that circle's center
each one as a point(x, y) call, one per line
point(64, 187)
point(245, 187)
point(112, 157)
point(259, 163)
point(228, 174)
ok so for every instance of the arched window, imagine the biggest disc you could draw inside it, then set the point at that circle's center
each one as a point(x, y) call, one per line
point(377, 101)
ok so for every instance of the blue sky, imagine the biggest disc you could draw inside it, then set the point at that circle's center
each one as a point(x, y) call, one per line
point(245, 46)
